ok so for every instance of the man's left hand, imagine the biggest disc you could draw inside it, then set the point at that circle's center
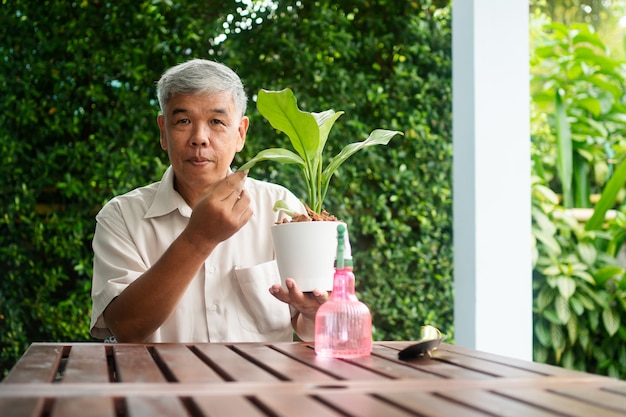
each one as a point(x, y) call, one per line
point(306, 303)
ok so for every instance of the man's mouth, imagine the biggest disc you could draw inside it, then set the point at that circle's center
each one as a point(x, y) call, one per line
point(199, 161)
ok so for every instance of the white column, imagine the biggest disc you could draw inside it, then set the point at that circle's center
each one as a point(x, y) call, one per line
point(491, 176)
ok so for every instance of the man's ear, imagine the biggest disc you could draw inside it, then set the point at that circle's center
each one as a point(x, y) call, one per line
point(161, 123)
point(243, 130)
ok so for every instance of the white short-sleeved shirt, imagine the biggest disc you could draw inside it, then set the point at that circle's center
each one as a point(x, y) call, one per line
point(228, 300)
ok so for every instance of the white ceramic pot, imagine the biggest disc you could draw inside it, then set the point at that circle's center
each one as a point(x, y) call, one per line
point(306, 252)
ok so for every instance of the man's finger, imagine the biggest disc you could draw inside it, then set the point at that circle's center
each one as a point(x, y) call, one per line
point(231, 186)
point(321, 296)
point(279, 292)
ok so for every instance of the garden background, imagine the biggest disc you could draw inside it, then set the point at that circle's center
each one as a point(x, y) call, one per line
point(79, 127)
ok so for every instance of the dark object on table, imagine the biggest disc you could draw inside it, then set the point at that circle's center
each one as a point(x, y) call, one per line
point(419, 349)
point(430, 338)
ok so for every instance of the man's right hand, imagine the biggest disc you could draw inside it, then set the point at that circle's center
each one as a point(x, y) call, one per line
point(222, 209)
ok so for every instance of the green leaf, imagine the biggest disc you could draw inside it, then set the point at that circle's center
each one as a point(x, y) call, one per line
point(590, 104)
point(551, 316)
point(557, 337)
point(545, 298)
point(567, 287)
point(568, 359)
point(576, 305)
point(587, 252)
point(622, 283)
point(594, 320)
point(583, 338)
point(545, 194)
point(600, 128)
point(325, 121)
point(542, 332)
point(608, 198)
point(283, 156)
point(594, 296)
point(565, 156)
point(611, 320)
point(376, 137)
point(606, 273)
point(280, 108)
point(552, 270)
point(543, 221)
point(572, 330)
point(548, 240)
point(562, 310)
point(584, 275)
point(540, 353)
point(586, 37)
point(281, 205)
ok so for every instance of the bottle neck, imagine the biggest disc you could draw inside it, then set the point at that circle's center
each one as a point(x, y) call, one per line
point(343, 285)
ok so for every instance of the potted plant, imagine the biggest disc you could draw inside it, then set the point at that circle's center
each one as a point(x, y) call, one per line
point(315, 231)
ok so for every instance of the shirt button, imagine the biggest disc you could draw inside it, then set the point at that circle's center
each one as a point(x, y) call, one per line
point(213, 307)
point(211, 270)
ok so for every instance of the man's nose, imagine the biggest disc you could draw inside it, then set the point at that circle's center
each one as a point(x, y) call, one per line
point(201, 136)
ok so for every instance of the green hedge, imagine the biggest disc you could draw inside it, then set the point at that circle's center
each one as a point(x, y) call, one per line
point(79, 126)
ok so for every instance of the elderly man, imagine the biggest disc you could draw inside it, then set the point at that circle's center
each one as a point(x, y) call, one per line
point(190, 258)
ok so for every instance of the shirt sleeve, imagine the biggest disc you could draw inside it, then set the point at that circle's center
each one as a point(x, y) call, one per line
point(116, 264)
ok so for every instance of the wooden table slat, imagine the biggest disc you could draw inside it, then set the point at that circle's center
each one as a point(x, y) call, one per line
point(285, 367)
point(156, 406)
point(84, 407)
point(506, 367)
point(285, 405)
point(134, 364)
point(232, 365)
point(536, 367)
point(38, 364)
point(619, 389)
point(185, 366)
point(596, 396)
point(87, 364)
point(347, 369)
point(424, 404)
point(397, 369)
point(558, 403)
point(227, 406)
point(480, 365)
point(432, 406)
point(441, 369)
point(494, 403)
point(22, 406)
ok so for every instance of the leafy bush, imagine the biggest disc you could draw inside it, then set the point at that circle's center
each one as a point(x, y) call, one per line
point(578, 130)
point(579, 288)
point(79, 110)
point(579, 117)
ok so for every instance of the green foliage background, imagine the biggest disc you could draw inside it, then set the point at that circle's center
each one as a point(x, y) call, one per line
point(578, 131)
point(79, 126)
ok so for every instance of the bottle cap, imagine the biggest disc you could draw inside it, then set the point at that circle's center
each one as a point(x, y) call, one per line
point(347, 263)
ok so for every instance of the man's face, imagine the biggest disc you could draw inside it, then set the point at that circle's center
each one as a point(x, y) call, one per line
point(201, 134)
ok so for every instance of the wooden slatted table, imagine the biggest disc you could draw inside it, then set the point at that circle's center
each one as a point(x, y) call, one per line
point(248, 379)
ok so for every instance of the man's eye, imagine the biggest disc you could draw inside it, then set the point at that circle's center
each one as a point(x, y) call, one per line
point(182, 122)
point(217, 122)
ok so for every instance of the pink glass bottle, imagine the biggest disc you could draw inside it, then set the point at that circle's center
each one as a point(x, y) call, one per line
point(343, 324)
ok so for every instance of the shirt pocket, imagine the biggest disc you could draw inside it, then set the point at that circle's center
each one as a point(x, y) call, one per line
point(262, 311)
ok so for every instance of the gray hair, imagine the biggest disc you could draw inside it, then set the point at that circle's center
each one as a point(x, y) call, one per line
point(201, 76)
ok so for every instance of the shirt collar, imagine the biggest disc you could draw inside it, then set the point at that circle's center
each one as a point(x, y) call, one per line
point(167, 199)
